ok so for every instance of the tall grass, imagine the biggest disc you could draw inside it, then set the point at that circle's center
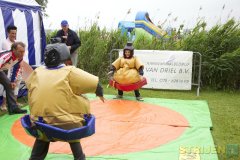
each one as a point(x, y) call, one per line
point(219, 46)
point(220, 50)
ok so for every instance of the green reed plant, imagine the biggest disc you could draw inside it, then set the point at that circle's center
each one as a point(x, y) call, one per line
point(95, 49)
point(219, 47)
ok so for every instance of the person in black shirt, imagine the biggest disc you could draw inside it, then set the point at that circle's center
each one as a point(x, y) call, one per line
point(71, 39)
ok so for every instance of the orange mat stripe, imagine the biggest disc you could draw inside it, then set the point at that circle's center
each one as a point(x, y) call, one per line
point(122, 126)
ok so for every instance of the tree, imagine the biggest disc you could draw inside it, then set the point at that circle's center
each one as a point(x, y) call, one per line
point(43, 3)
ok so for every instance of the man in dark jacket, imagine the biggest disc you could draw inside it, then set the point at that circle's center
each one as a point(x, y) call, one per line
point(71, 39)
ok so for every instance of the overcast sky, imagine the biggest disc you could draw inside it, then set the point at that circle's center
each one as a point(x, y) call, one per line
point(108, 13)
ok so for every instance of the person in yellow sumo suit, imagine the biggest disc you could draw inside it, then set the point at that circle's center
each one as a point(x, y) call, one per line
point(56, 94)
point(127, 70)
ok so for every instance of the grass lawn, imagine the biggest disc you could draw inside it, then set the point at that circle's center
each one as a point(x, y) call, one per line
point(224, 108)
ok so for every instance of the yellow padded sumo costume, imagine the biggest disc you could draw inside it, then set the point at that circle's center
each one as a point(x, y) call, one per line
point(126, 68)
point(63, 109)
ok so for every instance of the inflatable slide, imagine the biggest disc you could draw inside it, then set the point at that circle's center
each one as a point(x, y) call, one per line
point(141, 24)
point(142, 20)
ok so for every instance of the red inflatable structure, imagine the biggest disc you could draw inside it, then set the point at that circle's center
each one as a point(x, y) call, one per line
point(128, 87)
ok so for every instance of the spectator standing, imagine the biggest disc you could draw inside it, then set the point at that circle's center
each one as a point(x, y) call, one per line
point(71, 39)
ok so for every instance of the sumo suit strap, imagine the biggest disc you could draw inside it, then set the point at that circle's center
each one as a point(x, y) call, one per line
point(40, 119)
point(32, 125)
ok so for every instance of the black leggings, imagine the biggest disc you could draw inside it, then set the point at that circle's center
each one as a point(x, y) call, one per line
point(40, 150)
point(136, 92)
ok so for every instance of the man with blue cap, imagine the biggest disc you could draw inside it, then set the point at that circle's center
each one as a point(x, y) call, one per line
point(71, 39)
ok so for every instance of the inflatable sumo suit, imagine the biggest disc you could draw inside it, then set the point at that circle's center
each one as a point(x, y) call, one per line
point(127, 68)
point(56, 91)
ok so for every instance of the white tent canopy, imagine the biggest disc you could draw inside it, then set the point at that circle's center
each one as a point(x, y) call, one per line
point(26, 15)
point(24, 2)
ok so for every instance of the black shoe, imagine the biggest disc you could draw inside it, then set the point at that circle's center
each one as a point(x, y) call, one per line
point(18, 111)
point(139, 98)
point(118, 97)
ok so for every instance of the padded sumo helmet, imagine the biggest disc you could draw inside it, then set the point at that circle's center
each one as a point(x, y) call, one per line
point(130, 48)
point(56, 54)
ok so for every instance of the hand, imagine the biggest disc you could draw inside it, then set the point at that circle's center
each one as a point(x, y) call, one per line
point(13, 85)
point(68, 62)
point(110, 74)
point(88, 115)
point(141, 71)
point(64, 37)
point(69, 47)
point(102, 99)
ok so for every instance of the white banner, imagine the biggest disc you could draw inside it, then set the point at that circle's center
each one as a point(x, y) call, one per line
point(166, 69)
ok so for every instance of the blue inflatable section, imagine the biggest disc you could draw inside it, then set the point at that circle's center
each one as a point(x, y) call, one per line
point(143, 21)
point(127, 27)
point(54, 133)
point(143, 16)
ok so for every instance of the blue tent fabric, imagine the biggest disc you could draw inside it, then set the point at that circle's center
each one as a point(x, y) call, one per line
point(8, 18)
point(31, 49)
point(12, 13)
point(43, 36)
point(1, 100)
point(21, 7)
